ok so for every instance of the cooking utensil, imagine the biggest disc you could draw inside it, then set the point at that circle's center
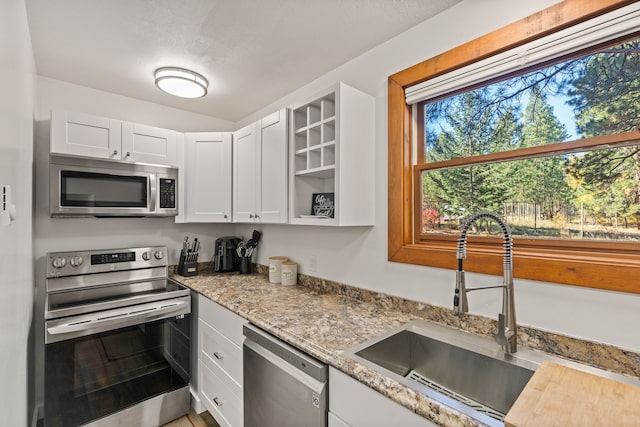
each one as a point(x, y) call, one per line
point(241, 249)
point(253, 242)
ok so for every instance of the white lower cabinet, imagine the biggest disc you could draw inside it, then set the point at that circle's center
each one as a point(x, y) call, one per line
point(220, 362)
point(221, 402)
point(335, 421)
point(352, 404)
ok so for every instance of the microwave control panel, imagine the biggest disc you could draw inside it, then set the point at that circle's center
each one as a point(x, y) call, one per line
point(167, 193)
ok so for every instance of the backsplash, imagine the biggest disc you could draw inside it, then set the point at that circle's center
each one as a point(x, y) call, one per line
point(599, 355)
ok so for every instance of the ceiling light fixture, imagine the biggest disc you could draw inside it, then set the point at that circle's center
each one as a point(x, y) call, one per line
point(181, 82)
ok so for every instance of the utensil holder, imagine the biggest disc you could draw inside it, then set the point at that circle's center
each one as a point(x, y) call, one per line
point(245, 265)
point(188, 264)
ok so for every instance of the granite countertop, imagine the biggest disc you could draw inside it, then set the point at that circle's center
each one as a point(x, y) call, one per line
point(325, 324)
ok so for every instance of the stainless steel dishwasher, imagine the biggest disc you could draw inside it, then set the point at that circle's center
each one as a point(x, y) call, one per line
point(282, 385)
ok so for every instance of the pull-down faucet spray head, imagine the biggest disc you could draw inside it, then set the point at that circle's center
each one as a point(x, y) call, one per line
point(460, 301)
point(506, 335)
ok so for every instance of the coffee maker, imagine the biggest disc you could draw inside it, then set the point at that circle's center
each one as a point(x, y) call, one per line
point(225, 257)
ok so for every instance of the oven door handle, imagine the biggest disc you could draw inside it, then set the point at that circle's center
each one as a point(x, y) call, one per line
point(114, 319)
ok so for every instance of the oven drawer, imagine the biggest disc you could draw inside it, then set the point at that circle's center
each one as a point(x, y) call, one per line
point(225, 406)
point(219, 353)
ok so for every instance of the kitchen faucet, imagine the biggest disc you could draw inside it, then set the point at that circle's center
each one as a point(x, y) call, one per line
point(507, 329)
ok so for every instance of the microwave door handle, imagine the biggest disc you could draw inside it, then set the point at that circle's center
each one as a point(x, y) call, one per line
point(153, 191)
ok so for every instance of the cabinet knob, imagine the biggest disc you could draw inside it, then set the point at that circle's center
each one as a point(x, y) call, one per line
point(115, 153)
point(225, 216)
point(256, 216)
point(127, 154)
point(218, 356)
point(250, 215)
point(217, 401)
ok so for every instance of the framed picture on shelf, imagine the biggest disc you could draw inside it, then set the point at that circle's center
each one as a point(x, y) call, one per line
point(322, 205)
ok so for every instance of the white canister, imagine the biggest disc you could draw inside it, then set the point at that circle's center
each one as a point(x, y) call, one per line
point(275, 268)
point(289, 273)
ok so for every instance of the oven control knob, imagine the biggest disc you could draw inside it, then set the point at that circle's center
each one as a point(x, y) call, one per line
point(76, 261)
point(146, 256)
point(159, 255)
point(59, 262)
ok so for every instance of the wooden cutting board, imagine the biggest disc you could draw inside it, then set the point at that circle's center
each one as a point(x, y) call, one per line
point(560, 396)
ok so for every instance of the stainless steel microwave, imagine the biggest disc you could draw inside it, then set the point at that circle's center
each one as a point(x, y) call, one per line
point(80, 186)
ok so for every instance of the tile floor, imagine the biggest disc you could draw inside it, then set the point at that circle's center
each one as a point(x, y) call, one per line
point(194, 420)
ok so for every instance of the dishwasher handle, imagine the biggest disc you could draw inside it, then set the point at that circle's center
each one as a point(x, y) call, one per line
point(307, 364)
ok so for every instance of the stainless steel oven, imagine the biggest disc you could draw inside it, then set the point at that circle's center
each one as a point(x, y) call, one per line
point(117, 339)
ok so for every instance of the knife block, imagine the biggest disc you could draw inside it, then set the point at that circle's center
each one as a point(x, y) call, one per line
point(188, 264)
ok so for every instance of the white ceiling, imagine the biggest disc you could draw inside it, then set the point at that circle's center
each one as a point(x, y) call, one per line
point(253, 52)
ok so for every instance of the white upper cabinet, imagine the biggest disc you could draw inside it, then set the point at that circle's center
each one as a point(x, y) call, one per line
point(85, 135)
point(260, 170)
point(273, 167)
point(332, 158)
point(244, 174)
point(148, 144)
point(92, 136)
point(206, 177)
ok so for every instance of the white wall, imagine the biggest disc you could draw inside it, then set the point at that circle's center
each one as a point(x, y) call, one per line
point(17, 85)
point(358, 256)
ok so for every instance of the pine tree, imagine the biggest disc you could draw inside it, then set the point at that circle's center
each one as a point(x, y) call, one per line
point(606, 99)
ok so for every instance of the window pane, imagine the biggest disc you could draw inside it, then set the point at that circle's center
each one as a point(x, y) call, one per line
point(593, 95)
point(592, 195)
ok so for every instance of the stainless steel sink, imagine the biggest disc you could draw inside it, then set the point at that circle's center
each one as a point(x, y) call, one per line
point(466, 372)
point(489, 382)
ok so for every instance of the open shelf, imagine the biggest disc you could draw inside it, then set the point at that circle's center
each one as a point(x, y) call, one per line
point(328, 131)
point(329, 155)
point(322, 172)
point(314, 137)
point(333, 154)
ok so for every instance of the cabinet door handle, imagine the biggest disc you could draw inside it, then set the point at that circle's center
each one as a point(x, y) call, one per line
point(218, 356)
point(217, 401)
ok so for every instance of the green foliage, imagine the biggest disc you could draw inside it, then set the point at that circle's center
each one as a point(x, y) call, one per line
point(603, 89)
point(606, 99)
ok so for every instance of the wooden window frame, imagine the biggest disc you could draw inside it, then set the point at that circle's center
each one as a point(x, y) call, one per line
point(595, 264)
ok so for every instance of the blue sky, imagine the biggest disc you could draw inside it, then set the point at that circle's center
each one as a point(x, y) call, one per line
point(564, 113)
